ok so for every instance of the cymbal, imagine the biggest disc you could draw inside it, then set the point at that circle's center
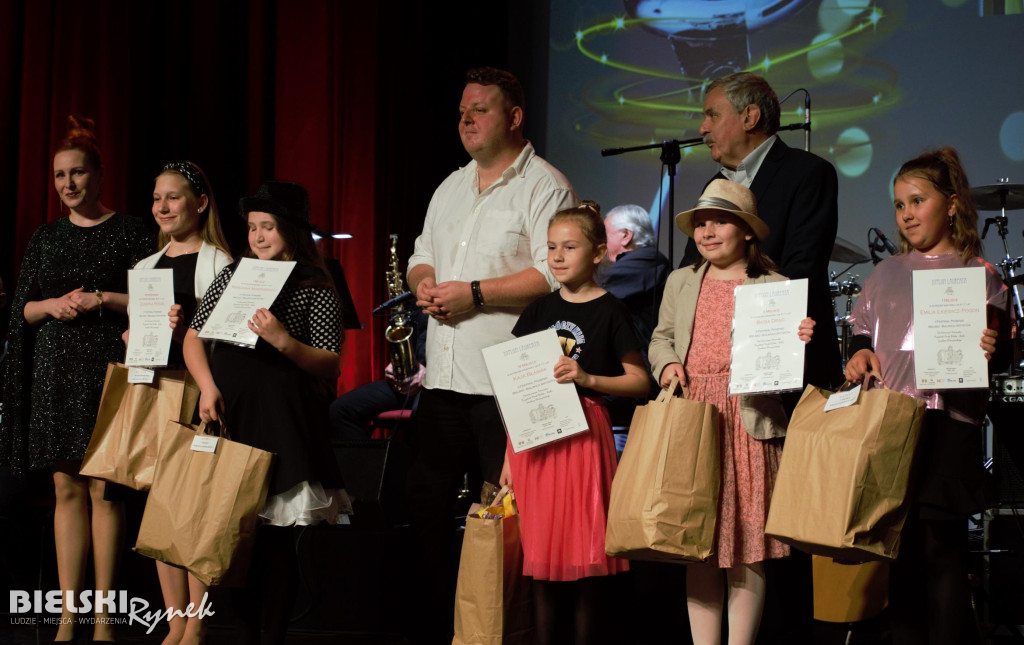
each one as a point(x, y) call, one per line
point(845, 251)
point(995, 197)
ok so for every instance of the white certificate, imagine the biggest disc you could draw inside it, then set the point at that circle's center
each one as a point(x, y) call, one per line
point(535, 407)
point(767, 353)
point(150, 298)
point(254, 285)
point(949, 317)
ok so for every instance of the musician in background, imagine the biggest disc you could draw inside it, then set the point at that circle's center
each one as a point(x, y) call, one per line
point(352, 412)
point(635, 273)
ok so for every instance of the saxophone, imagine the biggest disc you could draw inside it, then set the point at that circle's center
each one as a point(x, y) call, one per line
point(399, 331)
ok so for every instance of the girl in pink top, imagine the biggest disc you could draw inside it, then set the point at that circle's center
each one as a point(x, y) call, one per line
point(937, 224)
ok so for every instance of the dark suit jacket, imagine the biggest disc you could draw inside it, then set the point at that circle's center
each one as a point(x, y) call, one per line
point(638, 280)
point(797, 196)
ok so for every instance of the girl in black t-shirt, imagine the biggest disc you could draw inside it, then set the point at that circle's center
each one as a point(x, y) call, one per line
point(563, 488)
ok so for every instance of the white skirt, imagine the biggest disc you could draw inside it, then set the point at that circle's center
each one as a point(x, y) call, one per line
point(306, 503)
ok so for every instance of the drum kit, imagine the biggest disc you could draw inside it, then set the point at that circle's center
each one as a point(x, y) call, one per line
point(1007, 389)
point(847, 253)
point(1004, 196)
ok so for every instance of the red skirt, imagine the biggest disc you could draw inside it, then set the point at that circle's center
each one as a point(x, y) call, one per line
point(562, 490)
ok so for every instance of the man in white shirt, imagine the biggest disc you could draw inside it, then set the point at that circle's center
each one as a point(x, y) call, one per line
point(481, 258)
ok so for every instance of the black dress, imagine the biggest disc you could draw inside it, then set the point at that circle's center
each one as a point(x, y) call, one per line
point(184, 268)
point(55, 372)
point(269, 402)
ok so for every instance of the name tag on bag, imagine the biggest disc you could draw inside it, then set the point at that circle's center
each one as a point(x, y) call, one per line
point(204, 443)
point(842, 399)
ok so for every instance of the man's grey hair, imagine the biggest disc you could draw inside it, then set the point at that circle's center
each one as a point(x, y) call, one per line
point(745, 88)
point(633, 218)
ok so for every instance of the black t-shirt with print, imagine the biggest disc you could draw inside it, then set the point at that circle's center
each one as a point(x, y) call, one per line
point(597, 334)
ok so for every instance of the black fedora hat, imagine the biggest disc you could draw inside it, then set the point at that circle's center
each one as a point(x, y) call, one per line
point(281, 199)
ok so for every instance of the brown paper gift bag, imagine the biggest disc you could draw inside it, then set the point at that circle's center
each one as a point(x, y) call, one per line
point(202, 508)
point(664, 501)
point(842, 488)
point(847, 593)
point(130, 421)
point(493, 601)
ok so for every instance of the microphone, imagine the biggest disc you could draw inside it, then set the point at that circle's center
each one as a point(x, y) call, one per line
point(889, 246)
point(806, 125)
point(807, 121)
point(394, 302)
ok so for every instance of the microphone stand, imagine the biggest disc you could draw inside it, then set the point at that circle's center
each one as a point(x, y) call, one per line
point(806, 125)
point(875, 246)
point(670, 157)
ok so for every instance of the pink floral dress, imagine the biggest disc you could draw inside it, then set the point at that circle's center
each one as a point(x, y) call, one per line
point(748, 466)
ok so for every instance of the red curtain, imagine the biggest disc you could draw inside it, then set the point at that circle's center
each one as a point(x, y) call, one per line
point(249, 92)
point(324, 93)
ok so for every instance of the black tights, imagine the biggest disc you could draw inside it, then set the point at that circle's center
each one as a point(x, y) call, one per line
point(930, 594)
point(586, 600)
point(269, 593)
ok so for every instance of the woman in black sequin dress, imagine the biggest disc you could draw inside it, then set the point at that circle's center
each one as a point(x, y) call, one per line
point(66, 322)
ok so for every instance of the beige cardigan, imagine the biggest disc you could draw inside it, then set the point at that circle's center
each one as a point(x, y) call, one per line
point(762, 415)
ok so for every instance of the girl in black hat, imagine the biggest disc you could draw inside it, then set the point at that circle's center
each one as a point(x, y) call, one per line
point(275, 396)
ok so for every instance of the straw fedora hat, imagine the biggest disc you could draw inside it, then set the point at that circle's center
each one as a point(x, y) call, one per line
point(728, 197)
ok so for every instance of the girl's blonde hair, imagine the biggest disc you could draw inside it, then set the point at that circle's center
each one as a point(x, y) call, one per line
point(588, 217)
point(943, 169)
point(209, 219)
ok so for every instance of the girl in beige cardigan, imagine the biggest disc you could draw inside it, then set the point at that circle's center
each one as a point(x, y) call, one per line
point(692, 343)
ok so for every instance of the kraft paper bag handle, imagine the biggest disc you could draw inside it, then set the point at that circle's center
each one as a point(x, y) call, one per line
point(670, 391)
point(847, 384)
point(215, 428)
point(666, 392)
point(875, 379)
point(501, 494)
point(876, 383)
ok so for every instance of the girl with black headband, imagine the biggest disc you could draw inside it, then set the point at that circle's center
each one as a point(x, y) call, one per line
point(193, 245)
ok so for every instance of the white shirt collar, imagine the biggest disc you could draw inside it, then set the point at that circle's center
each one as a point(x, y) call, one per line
point(745, 172)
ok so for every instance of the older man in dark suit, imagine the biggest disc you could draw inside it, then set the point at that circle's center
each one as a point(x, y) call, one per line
point(796, 196)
